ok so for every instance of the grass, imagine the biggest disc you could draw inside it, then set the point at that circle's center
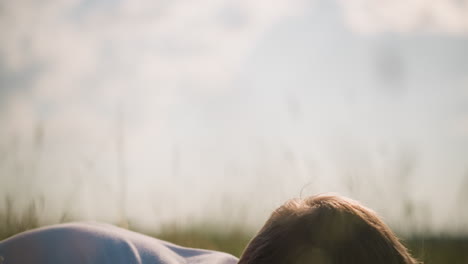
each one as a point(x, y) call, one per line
point(11, 223)
point(438, 250)
point(232, 240)
point(430, 250)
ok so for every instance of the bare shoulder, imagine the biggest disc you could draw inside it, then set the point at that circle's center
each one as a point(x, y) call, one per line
point(69, 243)
point(92, 242)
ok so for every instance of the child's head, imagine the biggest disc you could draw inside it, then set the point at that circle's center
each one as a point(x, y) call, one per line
point(325, 230)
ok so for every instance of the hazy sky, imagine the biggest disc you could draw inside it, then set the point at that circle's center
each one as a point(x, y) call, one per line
point(224, 109)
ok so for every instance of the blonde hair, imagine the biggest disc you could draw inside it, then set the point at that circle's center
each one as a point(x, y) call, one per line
point(325, 229)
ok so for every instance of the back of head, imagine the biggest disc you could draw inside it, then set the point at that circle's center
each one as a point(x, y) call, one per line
point(325, 230)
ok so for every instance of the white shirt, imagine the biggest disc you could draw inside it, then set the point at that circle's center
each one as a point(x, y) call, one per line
point(83, 243)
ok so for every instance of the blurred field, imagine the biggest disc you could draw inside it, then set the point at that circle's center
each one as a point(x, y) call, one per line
point(430, 250)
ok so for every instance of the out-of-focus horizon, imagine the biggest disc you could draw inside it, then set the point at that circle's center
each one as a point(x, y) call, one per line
point(182, 112)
